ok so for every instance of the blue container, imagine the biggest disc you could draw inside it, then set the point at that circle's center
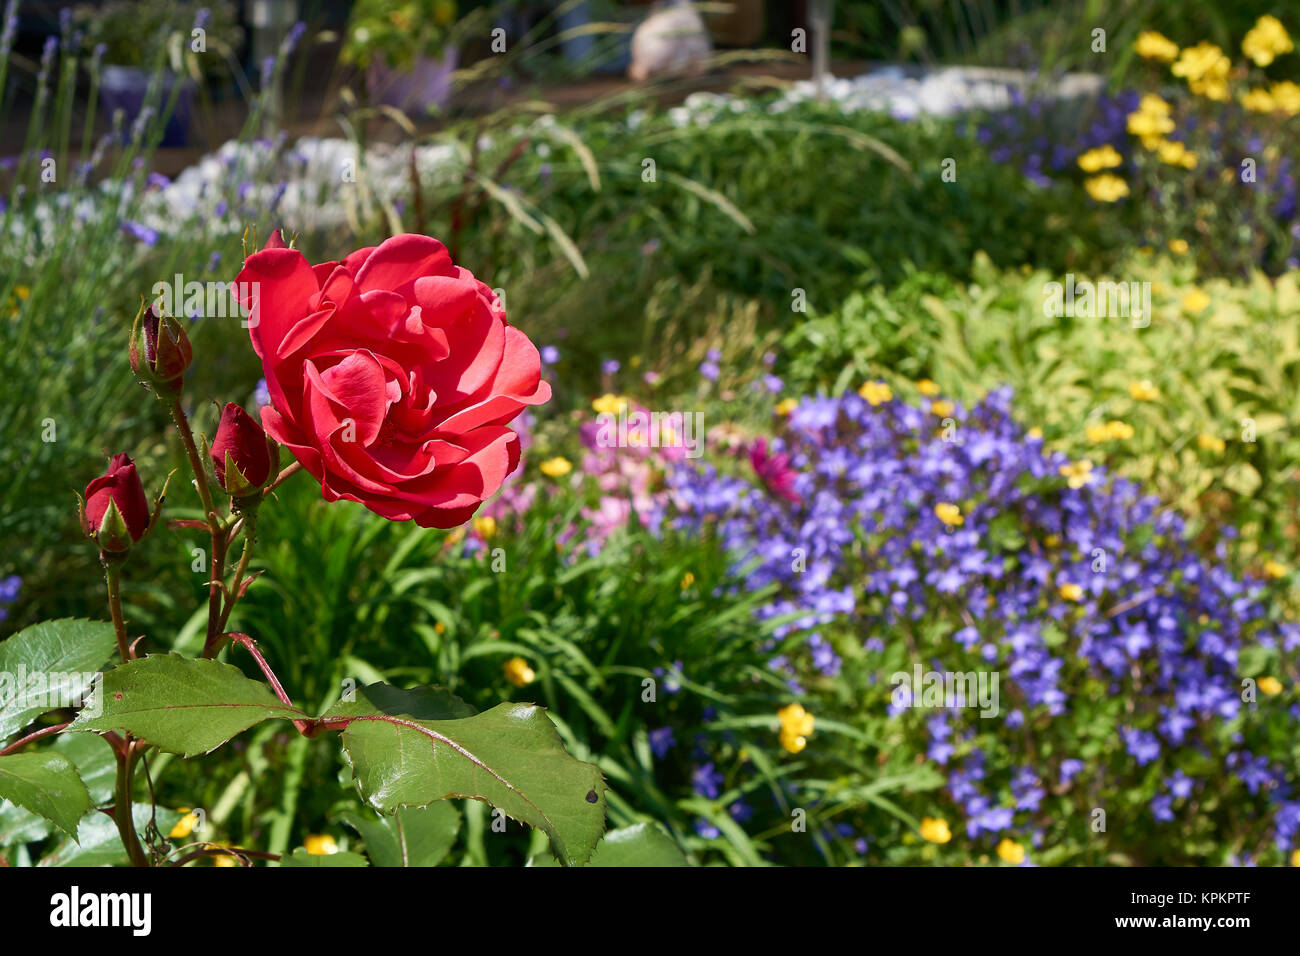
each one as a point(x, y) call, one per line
point(125, 87)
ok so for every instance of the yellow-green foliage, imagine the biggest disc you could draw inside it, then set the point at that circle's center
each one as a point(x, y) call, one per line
point(1223, 368)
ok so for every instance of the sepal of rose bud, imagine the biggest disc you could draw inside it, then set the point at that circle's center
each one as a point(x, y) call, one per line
point(114, 511)
point(243, 458)
point(160, 348)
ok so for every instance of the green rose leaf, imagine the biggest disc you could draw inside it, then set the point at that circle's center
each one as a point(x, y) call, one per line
point(62, 656)
point(404, 755)
point(413, 836)
point(300, 857)
point(95, 762)
point(18, 826)
point(642, 844)
point(97, 766)
point(183, 706)
point(100, 844)
point(423, 703)
point(47, 784)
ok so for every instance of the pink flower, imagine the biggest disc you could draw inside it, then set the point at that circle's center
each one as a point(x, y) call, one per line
point(775, 471)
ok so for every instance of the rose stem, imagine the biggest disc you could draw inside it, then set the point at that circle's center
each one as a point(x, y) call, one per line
point(31, 738)
point(220, 538)
point(250, 540)
point(113, 574)
point(122, 804)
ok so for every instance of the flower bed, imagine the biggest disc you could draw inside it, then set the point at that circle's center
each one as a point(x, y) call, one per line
point(1137, 676)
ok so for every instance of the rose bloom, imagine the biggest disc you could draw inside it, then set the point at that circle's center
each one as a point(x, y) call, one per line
point(393, 375)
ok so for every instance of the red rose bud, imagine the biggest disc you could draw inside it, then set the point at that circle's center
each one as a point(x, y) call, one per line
point(160, 349)
point(243, 458)
point(116, 512)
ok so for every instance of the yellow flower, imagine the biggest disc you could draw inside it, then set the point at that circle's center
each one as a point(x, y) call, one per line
point(1052, 541)
point(1286, 97)
point(1212, 89)
point(1034, 432)
point(1103, 157)
point(1077, 472)
point(518, 672)
point(949, 514)
point(320, 844)
point(942, 408)
point(1106, 188)
point(1099, 432)
point(1150, 121)
point(935, 829)
point(22, 292)
point(1174, 153)
point(1207, 442)
point(786, 406)
point(1269, 685)
point(1153, 103)
point(796, 725)
point(1011, 852)
point(609, 404)
point(687, 580)
point(486, 526)
point(556, 467)
point(1265, 40)
point(185, 825)
point(1071, 592)
point(1275, 569)
point(927, 388)
point(1143, 391)
point(876, 392)
point(794, 718)
point(1119, 430)
point(1178, 247)
point(1205, 69)
point(1195, 301)
point(456, 535)
point(1295, 857)
point(1259, 101)
point(1151, 45)
point(224, 859)
point(793, 743)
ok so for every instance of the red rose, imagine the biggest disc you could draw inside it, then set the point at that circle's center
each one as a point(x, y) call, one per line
point(116, 509)
point(241, 456)
point(392, 374)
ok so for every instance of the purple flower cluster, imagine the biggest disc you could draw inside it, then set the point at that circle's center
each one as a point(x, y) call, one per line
point(1043, 140)
point(1085, 599)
